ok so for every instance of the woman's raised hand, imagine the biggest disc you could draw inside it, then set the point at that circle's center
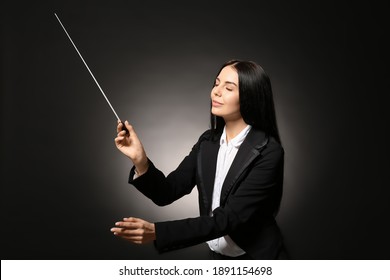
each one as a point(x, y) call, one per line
point(130, 145)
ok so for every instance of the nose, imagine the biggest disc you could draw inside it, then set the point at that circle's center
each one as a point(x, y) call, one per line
point(216, 91)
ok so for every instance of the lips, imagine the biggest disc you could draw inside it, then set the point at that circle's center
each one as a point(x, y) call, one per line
point(216, 103)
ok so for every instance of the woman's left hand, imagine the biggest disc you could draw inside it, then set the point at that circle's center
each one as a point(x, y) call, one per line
point(135, 230)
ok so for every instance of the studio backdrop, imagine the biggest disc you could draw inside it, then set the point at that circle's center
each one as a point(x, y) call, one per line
point(64, 183)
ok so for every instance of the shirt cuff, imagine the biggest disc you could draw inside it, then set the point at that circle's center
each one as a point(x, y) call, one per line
point(136, 175)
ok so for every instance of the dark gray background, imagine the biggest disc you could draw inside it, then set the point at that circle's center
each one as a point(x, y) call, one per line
point(63, 182)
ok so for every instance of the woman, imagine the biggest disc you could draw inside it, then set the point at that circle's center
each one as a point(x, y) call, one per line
point(237, 167)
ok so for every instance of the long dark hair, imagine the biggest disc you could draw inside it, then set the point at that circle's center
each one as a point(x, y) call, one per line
point(257, 106)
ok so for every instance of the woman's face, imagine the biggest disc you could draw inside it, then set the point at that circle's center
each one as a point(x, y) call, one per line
point(225, 95)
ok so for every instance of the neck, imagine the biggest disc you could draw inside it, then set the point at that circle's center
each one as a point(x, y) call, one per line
point(233, 128)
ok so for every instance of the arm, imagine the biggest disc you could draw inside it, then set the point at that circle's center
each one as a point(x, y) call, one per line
point(164, 190)
point(151, 181)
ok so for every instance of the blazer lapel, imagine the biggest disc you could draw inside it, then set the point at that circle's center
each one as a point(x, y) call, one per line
point(207, 162)
point(250, 149)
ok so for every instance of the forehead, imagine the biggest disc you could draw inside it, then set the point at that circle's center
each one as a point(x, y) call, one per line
point(229, 73)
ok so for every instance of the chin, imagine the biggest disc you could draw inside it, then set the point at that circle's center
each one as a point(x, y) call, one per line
point(216, 113)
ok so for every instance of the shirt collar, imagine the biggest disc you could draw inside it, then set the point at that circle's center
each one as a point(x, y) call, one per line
point(236, 141)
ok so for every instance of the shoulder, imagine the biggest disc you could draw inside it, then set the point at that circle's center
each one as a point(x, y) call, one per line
point(266, 145)
point(209, 135)
point(274, 147)
point(205, 135)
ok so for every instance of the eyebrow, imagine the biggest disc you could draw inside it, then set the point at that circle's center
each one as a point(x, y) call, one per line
point(227, 82)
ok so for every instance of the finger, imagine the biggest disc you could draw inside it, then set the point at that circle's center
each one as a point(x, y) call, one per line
point(121, 133)
point(136, 236)
point(125, 232)
point(133, 239)
point(132, 219)
point(129, 127)
point(119, 126)
point(120, 231)
point(119, 139)
point(128, 225)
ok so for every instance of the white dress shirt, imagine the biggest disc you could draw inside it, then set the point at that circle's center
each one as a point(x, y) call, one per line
point(226, 154)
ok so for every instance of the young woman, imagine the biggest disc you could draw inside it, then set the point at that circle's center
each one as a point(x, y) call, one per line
point(237, 167)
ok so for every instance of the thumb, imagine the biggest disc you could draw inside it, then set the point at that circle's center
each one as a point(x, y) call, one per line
point(129, 127)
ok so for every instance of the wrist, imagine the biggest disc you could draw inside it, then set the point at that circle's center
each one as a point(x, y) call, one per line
point(141, 168)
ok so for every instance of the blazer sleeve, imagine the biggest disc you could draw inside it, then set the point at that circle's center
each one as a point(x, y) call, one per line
point(249, 206)
point(165, 190)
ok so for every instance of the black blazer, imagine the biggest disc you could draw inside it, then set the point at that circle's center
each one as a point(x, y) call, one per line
point(250, 196)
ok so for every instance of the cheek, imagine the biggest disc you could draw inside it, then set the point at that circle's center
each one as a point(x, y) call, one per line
point(233, 100)
point(237, 106)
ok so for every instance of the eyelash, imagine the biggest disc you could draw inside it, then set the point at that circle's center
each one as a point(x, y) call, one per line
point(227, 88)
